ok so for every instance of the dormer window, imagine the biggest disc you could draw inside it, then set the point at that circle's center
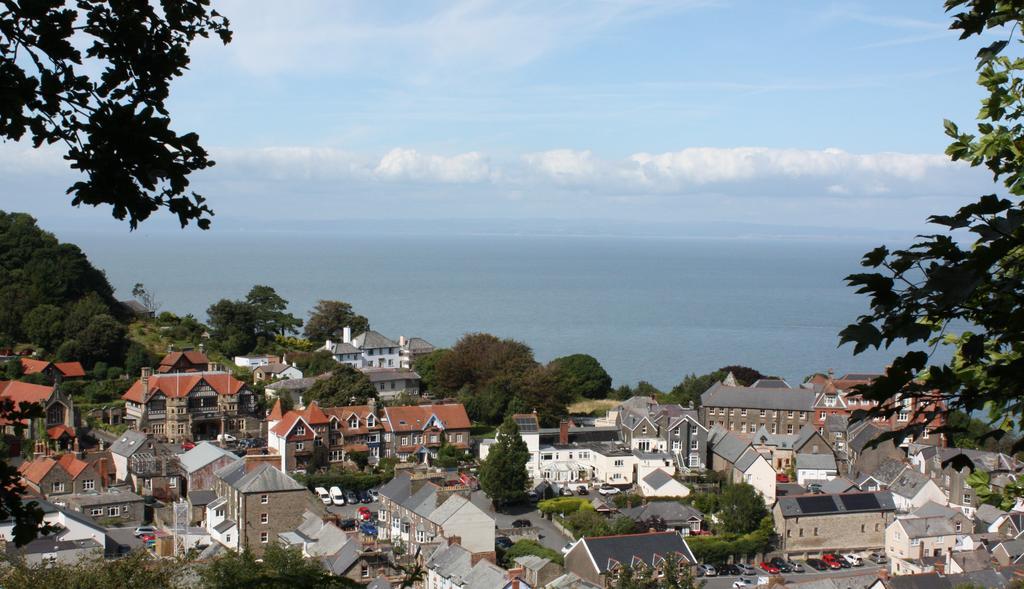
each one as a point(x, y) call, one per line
point(370, 421)
point(300, 431)
point(353, 422)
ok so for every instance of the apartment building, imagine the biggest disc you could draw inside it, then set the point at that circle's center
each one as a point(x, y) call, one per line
point(813, 524)
point(745, 410)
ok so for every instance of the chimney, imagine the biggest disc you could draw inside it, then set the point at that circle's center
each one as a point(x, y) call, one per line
point(563, 431)
point(454, 540)
point(328, 344)
point(346, 335)
point(212, 367)
point(401, 341)
point(372, 403)
point(145, 374)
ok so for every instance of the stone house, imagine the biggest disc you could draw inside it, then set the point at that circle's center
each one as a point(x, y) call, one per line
point(741, 463)
point(114, 505)
point(254, 506)
point(538, 571)
point(598, 560)
point(941, 465)
point(275, 371)
point(814, 524)
point(57, 426)
point(66, 475)
point(191, 406)
point(815, 468)
point(671, 514)
point(910, 488)
point(647, 426)
point(916, 545)
point(392, 382)
point(747, 409)
point(421, 509)
point(199, 464)
point(451, 566)
point(864, 456)
point(55, 371)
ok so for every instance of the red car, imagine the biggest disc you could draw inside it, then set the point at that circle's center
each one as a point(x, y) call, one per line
point(187, 445)
point(769, 568)
point(781, 478)
point(831, 561)
point(364, 513)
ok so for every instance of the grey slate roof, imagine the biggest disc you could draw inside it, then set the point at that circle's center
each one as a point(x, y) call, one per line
point(380, 582)
point(982, 460)
point(838, 485)
point(889, 471)
point(806, 433)
point(297, 384)
point(988, 514)
point(650, 547)
point(933, 509)
point(532, 562)
point(338, 348)
point(388, 374)
point(909, 483)
point(927, 527)
point(816, 461)
point(109, 497)
point(748, 458)
point(343, 559)
point(372, 339)
point(203, 454)
point(720, 395)
point(266, 479)
point(657, 478)
point(1014, 548)
point(673, 512)
point(725, 444)
point(770, 383)
point(128, 443)
point(790, 506)
point(419, 345)
point(49, 544)
point(231, 473)
point(571, 581)
point(861, 439)
point(224, 526)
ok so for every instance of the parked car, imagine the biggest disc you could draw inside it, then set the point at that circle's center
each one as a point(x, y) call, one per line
point(187, 445)
point(745, 569)
point(707, 570)
point(582, 490)
point(877, 558)
point(365, 497)
point(769, 568)
point(831, 560)
point(854, 559)
point(743, 582)
point(608, 490)
point(347, 524)
point(368, 528)
point(337, 496)
point(503, 542)
point(533, 496)
point(226, 438)
point(780, 564)
point(351, 497)
point(817, 564)
point(728, 570)
point(795, 567)
point(142, 530)
point(325, 497)
point(374, 493)
point(568, 546)
point(815, 488)
point(522, 523)
point(781, 477)
point(565, 492)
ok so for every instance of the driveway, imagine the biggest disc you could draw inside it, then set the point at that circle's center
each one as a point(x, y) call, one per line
point(124, 537)
point(549, 535)
point(726, 582)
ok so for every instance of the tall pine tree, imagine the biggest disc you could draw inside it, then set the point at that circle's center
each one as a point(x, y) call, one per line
point(503, 475)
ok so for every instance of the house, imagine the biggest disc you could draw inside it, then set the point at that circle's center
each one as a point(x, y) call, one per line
point(293, 435)
point(338, 552)
point(660, 483)
point(294, 388)
point(136, 309)
point(367, 350)
point(412, 349)
point(419, 509)
point(538, 571)
point(254, 506)
point(452, 566)
point(944, 466)
point(146, 466)
point(815, 468)
point(55, 478)
point(77, 536)
point(416, 431)
point(866, 456)
point(1008, 552)
point(199, 464)
point(813, 524)
point(55, 371)
point(187, 361)
point(989, 517)
point(910, 488)
point(839, 485)
point(599, 559)
point(126, 446)
point(115, 506)
point(392, 382)
point(57, 428)
point(647, 426)
point(254, 361)
point(740, 462)
point(781, 449)
point(666, 515)
point(191, 406)
point(988, 578)
point(916, 545)
point(748, 409)
point(275, 371)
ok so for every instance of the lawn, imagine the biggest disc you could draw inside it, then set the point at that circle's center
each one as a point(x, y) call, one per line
point(596, 407)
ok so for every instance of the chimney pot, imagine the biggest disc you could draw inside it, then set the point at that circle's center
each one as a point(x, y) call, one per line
point(346, 335)
point(563, 431)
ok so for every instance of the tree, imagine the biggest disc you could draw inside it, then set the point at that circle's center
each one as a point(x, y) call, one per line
point(106, 104)
point(269, 312)
point(540, 389)
point(503, 475)
point(27, 516)
point(103, 339)
point(693, 386)
point(315, 363)
point(744, 375)
point(477, 358)
point(44, 326)
point(239, 326)
point(529, 547)
point(328, 318)
point(137, 356)
point(279, 567)
point(740, 509)
point(346, 386)
point(449, 456)
point(960, 286)
point(82, 312)
point(581, 375)
point(426, 367)
point(146, 297)
point(134, 570)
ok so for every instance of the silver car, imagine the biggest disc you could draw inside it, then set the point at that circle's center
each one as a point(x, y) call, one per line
point(707, 570)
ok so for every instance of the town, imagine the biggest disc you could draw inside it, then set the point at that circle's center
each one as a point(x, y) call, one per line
point(371, 471)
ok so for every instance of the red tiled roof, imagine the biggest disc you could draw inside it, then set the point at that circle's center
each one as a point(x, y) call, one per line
point(36, 470)
point(312, 415)
point(180, 385)
point(343, 414)
point(70, 369)
point(72, 465)
point(356, 448)
point(25, 392)
point(30, 366)
point(192, 357)
point(415, 417)
point(57, 431)
point(276, 413)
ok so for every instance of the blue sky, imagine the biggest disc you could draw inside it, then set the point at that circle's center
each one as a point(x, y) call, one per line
point(692, 112)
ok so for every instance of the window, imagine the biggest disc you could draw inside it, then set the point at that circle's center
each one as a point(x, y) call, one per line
point(172, 482)
point(620, 462)
point(264, 537)
point(775, 428)
point(382, 515)
point(822, 415)
point(300, 430)
point(433, 439)
point(96, 512)
point(789, 428)
point(743, 412)
point(967, 498)
point(903, 415)
point(789, 413)
point(89, 485)
point(220, 512)
point(300, 446)
point(959, 526)
point(114, 511)
point(335, 456)
point(694, 444)
point(743, 428)
point(57, 487)
point(547, 456)
point(801, 534)
point(227, 538)
point(458, 437)
point(915, 541)
point(264, 499)
point(815, 531)
point(862, 528)
point(405, 440)
point(764, 413)
point(926, 434)
point(148, 484)
point(264, 518)
point(420, 536)
point(803, 415)
point(364, 571)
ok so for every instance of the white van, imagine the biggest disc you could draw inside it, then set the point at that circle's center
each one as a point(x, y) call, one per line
point(226, 438)
point(854, 559)
point(324, 495)
point(337, 496)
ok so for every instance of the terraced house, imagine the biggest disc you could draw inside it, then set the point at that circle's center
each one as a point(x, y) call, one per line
point(647, 426)
point(422, 510)
point(744, 410)
point(53, 432)
point(191, 406)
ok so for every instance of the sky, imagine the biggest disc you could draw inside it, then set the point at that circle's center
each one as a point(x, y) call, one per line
point(683, 114)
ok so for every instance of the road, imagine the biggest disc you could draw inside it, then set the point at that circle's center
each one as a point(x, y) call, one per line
point(549, 535)
point(124, 537)
point(726, 582)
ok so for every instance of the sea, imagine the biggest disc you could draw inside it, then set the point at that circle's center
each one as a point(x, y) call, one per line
point(653, 309)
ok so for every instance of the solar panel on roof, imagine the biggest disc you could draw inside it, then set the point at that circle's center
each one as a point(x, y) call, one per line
point(816, 504)
point(526, 424)
point(860, 502)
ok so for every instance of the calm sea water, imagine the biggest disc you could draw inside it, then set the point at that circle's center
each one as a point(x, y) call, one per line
point(652, 309)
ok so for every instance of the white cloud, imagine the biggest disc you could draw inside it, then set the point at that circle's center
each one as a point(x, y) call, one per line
point(409, 164)
point(564, 166)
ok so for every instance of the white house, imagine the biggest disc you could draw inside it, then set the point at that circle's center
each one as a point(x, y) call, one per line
point(275, 371)
point(254, 361)
point(815, 468)
point(660, 483)
point(755, 470)
point(366, 350)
